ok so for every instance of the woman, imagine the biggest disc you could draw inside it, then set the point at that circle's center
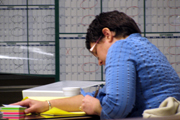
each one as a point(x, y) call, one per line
point(138, 75)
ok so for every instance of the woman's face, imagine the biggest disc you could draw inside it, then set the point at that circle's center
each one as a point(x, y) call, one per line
point(100, 51)
point(101, 48)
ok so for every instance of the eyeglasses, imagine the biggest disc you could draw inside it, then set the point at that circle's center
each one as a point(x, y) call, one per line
point(95, 44)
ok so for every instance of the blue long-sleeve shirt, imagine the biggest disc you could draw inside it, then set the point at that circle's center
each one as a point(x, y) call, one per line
point(138, 77)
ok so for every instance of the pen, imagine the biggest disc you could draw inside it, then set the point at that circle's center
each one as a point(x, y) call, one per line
point(97, 91)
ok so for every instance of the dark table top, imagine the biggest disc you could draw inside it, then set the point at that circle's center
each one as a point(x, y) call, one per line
point(90, 117)
point(39, 117)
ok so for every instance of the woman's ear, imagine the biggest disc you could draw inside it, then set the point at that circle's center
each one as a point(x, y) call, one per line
point(108, 34)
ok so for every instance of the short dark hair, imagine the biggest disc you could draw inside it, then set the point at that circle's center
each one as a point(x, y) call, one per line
point(116, 21)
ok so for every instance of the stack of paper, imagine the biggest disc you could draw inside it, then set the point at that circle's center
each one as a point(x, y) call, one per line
point(0, 115)
point(13, 111)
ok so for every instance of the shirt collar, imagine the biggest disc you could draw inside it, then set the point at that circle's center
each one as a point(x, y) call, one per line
point(135, 35)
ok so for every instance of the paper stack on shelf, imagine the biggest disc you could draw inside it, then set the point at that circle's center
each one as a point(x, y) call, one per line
point(13, 111)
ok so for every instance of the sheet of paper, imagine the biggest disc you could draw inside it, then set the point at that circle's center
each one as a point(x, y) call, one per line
point(56, 111)
point(16, 106)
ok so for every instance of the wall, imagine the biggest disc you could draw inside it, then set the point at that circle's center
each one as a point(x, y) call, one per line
point(27, 34)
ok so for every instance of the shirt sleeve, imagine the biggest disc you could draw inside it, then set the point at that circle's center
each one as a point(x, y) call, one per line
point(120, 82)
point(87, 93)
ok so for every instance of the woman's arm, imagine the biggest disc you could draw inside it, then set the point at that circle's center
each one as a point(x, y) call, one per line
point(120, 82)
point(68, 104)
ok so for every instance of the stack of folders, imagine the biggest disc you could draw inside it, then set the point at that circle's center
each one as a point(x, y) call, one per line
point(13, 111)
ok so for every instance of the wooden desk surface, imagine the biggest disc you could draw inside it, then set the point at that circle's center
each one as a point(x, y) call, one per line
point(97, 118)
point(159, 118)
point(38, 117)
point(88, 117)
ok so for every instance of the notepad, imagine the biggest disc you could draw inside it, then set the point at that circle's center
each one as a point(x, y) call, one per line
point(14, 117)
point(13, 111)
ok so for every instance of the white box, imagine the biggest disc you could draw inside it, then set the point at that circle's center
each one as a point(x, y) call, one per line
point(55, 89)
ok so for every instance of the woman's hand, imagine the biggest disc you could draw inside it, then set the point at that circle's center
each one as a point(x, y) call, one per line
point(91, 105)
point(33, 106)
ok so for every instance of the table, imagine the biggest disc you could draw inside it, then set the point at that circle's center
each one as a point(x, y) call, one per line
point(38, 117)
point(89, 117)
point(94, 117)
